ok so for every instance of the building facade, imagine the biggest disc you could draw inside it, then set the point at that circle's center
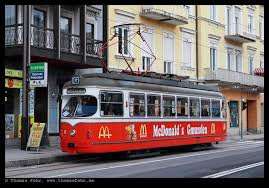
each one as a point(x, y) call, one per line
point(64, 37)
point(220, 45)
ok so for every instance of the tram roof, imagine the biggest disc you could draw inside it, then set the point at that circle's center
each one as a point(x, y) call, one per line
point(86, 80)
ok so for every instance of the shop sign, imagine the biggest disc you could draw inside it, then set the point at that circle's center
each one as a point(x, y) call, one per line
point(13, 73)
point(13, 83)
point(38, 74)
point(35, 137)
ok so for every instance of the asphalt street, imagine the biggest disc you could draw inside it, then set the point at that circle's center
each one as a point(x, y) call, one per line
point(230, 160)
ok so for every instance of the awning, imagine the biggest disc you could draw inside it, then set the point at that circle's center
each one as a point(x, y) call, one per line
point(259, 71)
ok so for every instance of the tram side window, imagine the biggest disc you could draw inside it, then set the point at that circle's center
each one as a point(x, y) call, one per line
point(111, 104)
point(154, 105)
point(205, 107)
point(223, 109)
point(137, 105)
point(182, 106)
point(169, 106)
point(215, 108)
point(80, 106)
point(70, 107)
point(194, 107)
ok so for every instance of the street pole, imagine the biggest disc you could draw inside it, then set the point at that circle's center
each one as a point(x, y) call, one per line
point(241, 122)
point(26, 63)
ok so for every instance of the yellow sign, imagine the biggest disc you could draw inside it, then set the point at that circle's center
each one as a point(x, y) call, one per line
point(143, 131)
point(213, 128)
point(20, 123)
point(104, 132)
point(13, 83)
point(36, 133)
point(13, 73)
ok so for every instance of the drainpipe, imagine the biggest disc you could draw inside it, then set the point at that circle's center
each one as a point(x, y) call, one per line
point(196, 28)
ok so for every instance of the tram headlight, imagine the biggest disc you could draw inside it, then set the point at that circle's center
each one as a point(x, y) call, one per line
point(72, 132)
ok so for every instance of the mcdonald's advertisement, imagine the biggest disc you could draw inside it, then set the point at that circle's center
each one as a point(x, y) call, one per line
point(135, 132)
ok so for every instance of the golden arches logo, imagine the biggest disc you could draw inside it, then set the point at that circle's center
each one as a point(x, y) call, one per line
point(104, 132)
point(143, 131)
point(213, 128)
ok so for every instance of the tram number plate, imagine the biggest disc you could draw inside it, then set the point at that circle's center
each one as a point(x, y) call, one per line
point(71, 145)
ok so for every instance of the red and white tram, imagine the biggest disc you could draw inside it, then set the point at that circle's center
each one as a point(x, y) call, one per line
point(108, 112)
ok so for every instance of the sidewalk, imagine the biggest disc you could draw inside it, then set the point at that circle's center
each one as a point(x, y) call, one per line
point(17, 157)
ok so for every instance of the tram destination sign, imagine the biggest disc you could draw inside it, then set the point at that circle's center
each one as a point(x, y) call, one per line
point(39, 74)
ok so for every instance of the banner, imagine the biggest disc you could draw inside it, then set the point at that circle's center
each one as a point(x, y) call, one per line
point(36, 135)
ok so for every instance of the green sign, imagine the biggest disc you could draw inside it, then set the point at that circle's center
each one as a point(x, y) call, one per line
point(38, 74)
point(37, 67)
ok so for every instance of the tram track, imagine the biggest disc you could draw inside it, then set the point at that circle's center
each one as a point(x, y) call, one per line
point(38, 170)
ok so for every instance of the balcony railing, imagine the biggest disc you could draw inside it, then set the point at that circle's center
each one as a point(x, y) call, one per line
point(70, 43)
point(173, 14)
point(39, 37)
point(93, 47)
point(44, 38)
point(234, 77)
point(13, 35)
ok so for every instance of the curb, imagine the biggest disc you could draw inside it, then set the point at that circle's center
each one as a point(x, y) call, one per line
point(43, 160)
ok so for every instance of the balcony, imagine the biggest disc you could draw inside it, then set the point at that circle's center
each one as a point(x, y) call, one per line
point(42, 42)
point(229, 77)
point(175, 15)
point(234, 33)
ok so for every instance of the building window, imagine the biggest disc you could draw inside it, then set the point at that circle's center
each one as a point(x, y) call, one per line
point(237, 20)
point(65, 28)
point(147, 48)
point(229, 60)
point(137, 105)
point(123, 45)
point(250, 65)
point(39, 25)
point(168, 67)
point(250, 23)
point(228, 21)
point(261, 27)
point(10, 15)
point(145, 63)
point(168, 49)
point(213, 58)
point(262, 62)
point(187, 53)
point(238, 62)
point(90, 39)
point(213, 12)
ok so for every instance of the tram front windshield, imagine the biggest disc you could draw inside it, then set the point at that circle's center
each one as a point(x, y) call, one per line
point(80, 106)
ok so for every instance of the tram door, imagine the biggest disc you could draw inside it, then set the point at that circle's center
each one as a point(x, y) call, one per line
point(234, 116)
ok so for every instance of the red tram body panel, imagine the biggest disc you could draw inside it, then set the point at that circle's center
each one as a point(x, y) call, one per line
point(124, 136)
